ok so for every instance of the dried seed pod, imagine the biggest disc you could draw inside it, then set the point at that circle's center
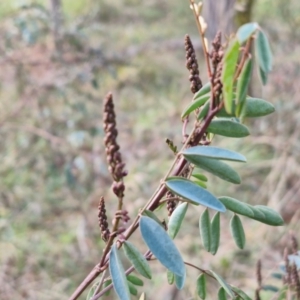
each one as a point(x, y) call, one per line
point(113, 154)
point(171, 203)
point(192, 65)
point(105, 233)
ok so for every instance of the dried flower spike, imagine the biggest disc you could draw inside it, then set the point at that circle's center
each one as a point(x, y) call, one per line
point(103, 220)
point(171, 203)
point(113, 155)
point(192, 65)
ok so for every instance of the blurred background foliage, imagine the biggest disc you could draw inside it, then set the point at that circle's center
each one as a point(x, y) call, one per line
point(58, 60)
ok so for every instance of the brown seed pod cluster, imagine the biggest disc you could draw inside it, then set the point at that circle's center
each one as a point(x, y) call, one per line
point(216, 56)
point(171, 203)
point(192, 65)
point(105, 233)
point(113, 155)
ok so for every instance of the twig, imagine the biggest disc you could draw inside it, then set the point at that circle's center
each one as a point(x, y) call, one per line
point(200, 29)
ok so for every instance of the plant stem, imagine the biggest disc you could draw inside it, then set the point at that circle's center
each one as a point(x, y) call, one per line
point(202, 39)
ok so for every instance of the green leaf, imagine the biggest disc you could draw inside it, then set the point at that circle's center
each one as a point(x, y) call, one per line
point(215, 234)
point(263, 76)
point(135, 280)
point(256, 107)
point(162, 246)
point(203, 91)
point(229, 68)
point(170, 277)
point(217, 168)
point(137, 259)
point(194, 105)
point(242, 294)
point(212, 152)
point(176, 219)
point(237, 231)
point(242, 86)
point(132, 289)
point(237, 206)
point(228, 128)
point(179, 281)
point(189, 190)
point(263, 52)
point(271, 216)
point(245, 32)
point(152, 215)
point(118, 275)
point(200, 176)
point(223, 284)
point(200, 183)
point(222, 294)
point(205, 230)
point(270, 288)
point(204, 111)
point(201, 286)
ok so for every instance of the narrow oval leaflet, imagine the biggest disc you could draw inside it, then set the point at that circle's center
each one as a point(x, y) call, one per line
point(228, 128)
point(263, 52)
point(137, 259)
point(152, 215)
point(201, 286)
point(229, 66)
point(180, 281)
point(205, 230)
point(222, 294)
point(271, 216)
point(170, 277)
point(242, 294)
point(176, 219)
point(132, 289)
point(162, 246)
point(245, 32)
point(200, 176)
point(213, 152)
point(204, 90)
point(256, 107)
point(237, 231)
point(203, 111)
point(135, 280)
point(237, 206)
point(201, 184)
point(189, 190)
point(242, 86)
point(118, 275)
point(216, 167)
point(194, 105)
point(223, 284)
point(263, 76)
point(215, 234)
